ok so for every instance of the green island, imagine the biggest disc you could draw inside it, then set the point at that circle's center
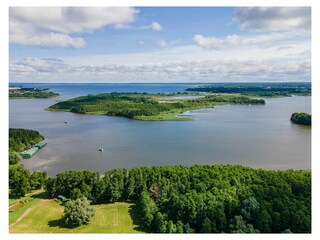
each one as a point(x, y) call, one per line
point(20, 92)
point(148, 107)
point(258, 89)
point(301, 118)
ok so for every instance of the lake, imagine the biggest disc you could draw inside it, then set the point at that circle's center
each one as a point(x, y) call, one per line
point(255, 136)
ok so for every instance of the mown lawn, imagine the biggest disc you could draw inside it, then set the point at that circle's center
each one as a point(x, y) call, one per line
point(46, 217)
point(19, 208)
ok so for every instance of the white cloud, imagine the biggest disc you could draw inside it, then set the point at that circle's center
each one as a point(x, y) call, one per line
point(156, 26)
point(255, 40)
point(217, 43)
point(187, 71)
point(273, 18)
point(50, 40)
point(168, 43)
point(52, 26)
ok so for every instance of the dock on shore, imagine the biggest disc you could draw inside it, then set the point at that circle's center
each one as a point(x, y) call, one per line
point(31, 151)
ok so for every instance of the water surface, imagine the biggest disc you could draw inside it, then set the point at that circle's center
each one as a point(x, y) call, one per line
point(256, 136)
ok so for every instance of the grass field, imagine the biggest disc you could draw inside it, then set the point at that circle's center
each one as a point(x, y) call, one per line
point(18, 208)
point(46, 217)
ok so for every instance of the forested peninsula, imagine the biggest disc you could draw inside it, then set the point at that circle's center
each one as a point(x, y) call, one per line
point(20, 92)
point(21, 181)
point(258, 89)
point(143, 106)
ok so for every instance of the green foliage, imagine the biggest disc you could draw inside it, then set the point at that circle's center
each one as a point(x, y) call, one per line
point(78, 212)
point(20, 139)
point(19, 180)
point(239, 225)
point(38, 180)
point(14, 157)
point(144, 106)
point(258, 89)
point(215, 199)
point(75, 184)
point(301, 118)
point(33, 94)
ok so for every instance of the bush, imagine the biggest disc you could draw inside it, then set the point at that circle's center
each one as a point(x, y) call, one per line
point(78, 212)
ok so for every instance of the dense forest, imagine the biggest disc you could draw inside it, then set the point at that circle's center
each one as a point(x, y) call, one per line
point(301, 118)
point(208, 199)
point(21, 181)
point(20, 139)
point(258, 89)
point(145, 106)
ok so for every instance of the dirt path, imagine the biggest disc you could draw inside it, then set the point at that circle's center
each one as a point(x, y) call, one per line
point(23, 215)
point(13, 205)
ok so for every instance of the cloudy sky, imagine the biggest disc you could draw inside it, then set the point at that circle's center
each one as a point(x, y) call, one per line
point(163, 44)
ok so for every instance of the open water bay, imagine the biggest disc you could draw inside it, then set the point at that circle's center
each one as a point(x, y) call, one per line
point(256, 136)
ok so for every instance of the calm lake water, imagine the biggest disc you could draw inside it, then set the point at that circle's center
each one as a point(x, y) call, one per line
point(256, 136)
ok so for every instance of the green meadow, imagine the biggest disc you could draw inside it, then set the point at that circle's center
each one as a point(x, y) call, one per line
point(46, 216)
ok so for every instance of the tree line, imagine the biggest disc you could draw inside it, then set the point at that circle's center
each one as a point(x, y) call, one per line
point(200, 198)
point(21, 181)
point(258, 89)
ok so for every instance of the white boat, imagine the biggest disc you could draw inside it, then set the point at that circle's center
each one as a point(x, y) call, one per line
point(100, 149)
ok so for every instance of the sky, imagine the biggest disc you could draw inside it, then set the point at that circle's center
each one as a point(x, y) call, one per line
point(159, 44)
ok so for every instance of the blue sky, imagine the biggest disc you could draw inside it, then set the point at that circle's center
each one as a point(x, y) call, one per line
point(159, 44)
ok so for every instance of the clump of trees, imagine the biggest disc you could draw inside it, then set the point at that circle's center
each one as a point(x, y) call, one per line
point(20, 139)
point(209, 199)
point(78, 212)
point(21, 181)
point(301, 118)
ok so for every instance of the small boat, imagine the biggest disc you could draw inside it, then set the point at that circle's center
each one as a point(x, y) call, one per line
point(100, 149)
point(65, 122)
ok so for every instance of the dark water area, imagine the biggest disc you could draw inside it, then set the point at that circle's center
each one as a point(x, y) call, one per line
point(256, 136)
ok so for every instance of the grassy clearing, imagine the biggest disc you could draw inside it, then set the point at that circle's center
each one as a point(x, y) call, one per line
point(17, 208)
point(46, 217)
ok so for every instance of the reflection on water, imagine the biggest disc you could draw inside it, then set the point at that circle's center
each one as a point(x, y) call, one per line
point(257, 136)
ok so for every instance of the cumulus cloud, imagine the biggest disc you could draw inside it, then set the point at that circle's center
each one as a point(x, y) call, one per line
point(217, 70)
point(51, 40)
point(217, 43)
point(154, 26)
point(261, 40)
point(273, 18)
point(53, 26)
